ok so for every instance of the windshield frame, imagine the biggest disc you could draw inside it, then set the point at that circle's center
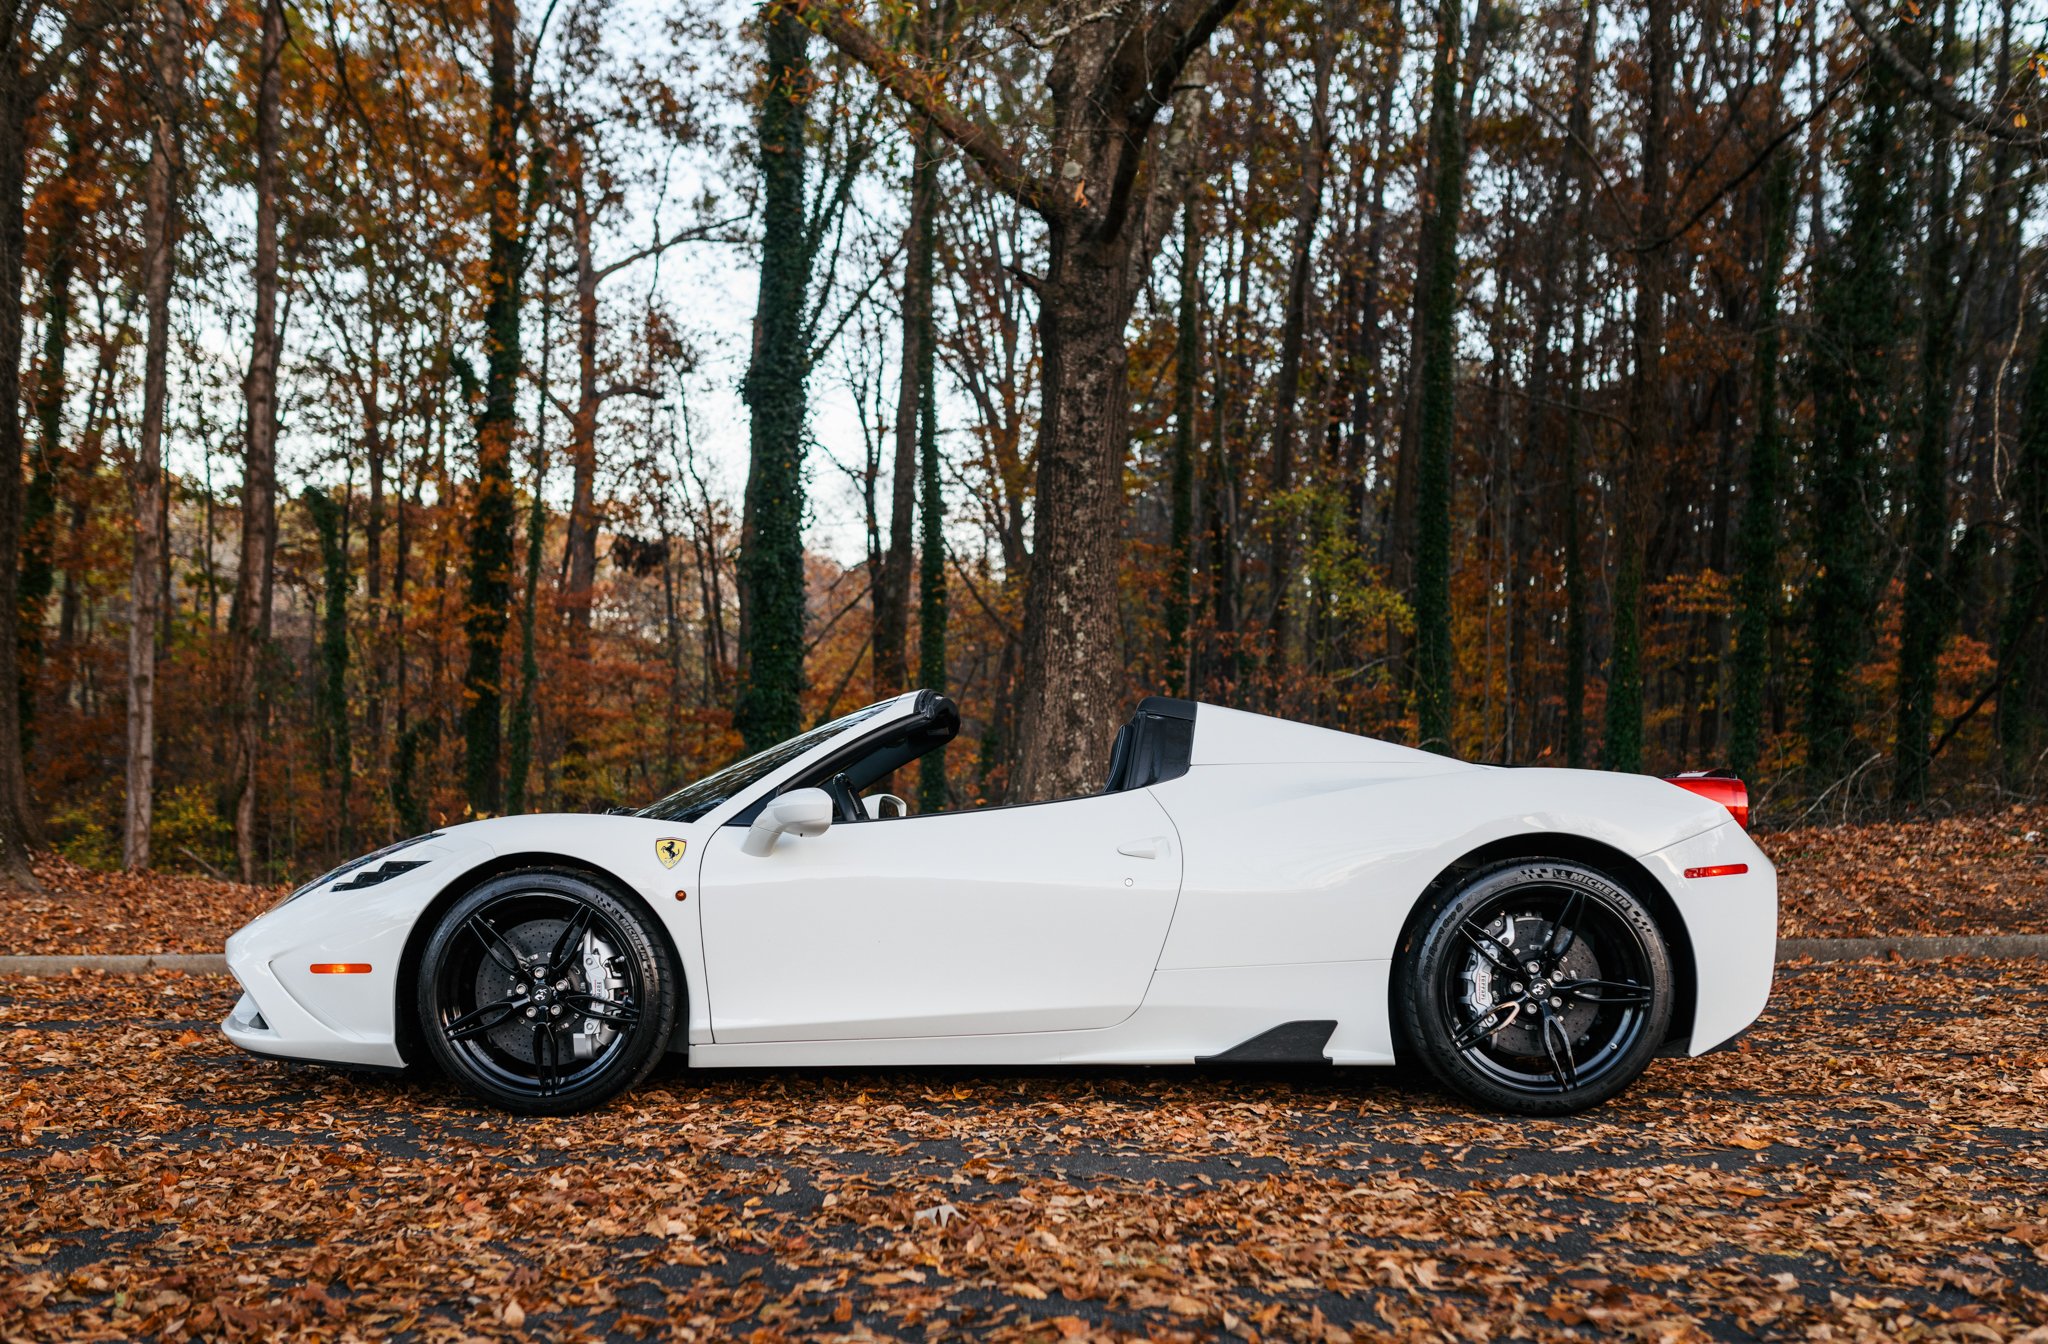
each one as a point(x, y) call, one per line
point(755, 781)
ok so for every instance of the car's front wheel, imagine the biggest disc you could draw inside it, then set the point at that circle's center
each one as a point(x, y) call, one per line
point(1539, 987)
point(544, 993)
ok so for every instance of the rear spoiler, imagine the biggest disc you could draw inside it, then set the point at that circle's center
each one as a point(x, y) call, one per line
point(1717, 786)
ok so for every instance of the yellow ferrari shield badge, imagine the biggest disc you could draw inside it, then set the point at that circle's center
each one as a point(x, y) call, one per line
point(670, 850)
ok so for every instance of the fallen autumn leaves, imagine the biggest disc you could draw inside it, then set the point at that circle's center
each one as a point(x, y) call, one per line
point(1870, 1163)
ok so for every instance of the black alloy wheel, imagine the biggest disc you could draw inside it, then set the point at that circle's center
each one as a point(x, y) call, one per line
point(1540, 987)
point(544, 993)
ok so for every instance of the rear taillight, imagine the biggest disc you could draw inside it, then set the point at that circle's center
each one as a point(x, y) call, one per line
point(1726, 790)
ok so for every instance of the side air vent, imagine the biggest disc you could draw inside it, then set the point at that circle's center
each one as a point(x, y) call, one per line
point(383, 872)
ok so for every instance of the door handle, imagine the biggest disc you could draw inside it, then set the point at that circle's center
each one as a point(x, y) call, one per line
point(1149, 848)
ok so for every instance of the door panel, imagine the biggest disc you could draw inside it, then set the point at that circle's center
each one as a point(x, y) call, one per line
point(1040, 918)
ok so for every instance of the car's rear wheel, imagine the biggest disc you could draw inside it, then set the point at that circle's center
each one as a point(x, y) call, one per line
point(544, 993)
point(1542, 987)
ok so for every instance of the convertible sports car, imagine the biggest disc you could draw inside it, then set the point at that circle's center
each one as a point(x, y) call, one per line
point(1243, 888)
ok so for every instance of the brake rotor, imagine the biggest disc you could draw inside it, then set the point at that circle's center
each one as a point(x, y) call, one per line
point(1527, 935)
point(532, 941)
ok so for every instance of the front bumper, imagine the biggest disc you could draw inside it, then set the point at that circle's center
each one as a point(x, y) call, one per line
point(291, 1011)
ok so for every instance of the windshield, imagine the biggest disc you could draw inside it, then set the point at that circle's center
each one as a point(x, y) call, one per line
point(692, 801)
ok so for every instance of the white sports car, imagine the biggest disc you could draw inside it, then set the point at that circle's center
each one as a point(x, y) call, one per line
point(1243, 888)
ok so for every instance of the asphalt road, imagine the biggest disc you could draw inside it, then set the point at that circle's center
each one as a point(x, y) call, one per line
point(1873, 1163)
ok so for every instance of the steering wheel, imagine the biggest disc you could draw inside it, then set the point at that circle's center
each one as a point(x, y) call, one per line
point(844, 800)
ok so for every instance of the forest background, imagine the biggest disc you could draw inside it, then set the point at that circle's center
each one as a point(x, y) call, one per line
point(459, 407)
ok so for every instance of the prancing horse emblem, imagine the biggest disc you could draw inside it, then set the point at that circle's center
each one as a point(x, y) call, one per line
point(670, 850)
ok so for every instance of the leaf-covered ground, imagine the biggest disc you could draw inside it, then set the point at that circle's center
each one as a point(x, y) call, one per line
point(1986, 873)
point(82, 910)
point(1871, 1164)
point(1976, 874)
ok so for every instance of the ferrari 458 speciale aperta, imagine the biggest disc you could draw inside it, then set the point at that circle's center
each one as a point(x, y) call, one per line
point(1243, 888)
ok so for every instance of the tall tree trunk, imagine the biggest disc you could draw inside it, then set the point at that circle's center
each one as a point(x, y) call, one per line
point(1927, 602)
point(39, 512)
point(331, 701)
point(1622, 745)
point(519, 735)
point(580, 545)
point(932, 792)
point(1757, 543)
point(1108, 81)
point(1855, 322)
point(1187, 375)
point(1308, 213)
point(148, 488)
point(1580, 125)
point(490, 530)
point(1224, 482)
point(17, 825)
point(2023, 633)
point(1436, 308)
point(892, 583)
point(772, 536)
point(1368, 412)
point(249, 613)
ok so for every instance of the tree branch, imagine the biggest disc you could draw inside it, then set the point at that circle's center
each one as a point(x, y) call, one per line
point(1985, 122)
point(694, 233)
point(832, 20)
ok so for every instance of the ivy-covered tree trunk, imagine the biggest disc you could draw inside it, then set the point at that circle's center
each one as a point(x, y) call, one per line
point(2023, 630)
point(490, 528)
point(771, 565)
point(1436, 310)
point(331, 703)
point(1757, 533)
point(1850, 371)
point(1187, 377)
point(1925, 619)
point(1622, 741)
point(249, 610)
point(17, 827)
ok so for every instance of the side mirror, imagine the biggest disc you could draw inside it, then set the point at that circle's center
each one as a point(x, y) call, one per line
point(881, 805)
point(799, 812)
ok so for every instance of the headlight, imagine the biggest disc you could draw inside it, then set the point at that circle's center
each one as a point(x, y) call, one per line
point(353, 864)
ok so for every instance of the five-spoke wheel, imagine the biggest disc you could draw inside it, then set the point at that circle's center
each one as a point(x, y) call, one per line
point(1541, 987)
point(543, 992)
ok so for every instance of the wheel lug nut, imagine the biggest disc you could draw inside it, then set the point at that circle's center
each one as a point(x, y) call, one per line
point(531, 1011)
point(1557, 1003)
point(1516, 988)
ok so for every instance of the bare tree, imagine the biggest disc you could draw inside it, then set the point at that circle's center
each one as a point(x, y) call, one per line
point(249, 617)
point(148, 485)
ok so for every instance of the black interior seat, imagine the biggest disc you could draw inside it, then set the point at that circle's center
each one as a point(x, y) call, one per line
point(1120, 759)
point(1155, 746)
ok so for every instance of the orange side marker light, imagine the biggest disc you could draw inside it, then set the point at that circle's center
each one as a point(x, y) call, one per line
point(1718, 870)
point(682, 895)
point(340, 968)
